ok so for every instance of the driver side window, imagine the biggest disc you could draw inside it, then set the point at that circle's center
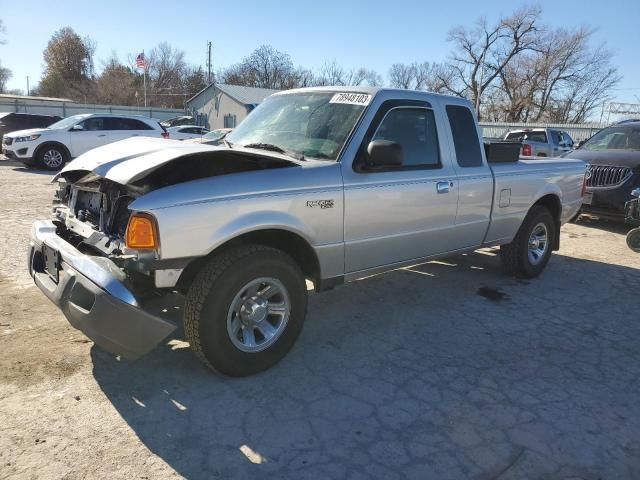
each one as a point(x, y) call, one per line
point(414, 129)
point(93, 124)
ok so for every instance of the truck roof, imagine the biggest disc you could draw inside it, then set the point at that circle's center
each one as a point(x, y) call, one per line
point(391, 92)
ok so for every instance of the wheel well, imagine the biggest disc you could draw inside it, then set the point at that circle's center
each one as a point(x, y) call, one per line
point(552, 203)
point(51, 144)
point(288, 242)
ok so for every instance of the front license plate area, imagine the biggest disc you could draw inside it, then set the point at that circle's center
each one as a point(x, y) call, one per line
point(588, 198)
point(51, 262)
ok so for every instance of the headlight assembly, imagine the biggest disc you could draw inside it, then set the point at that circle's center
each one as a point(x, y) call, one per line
point(28, 138)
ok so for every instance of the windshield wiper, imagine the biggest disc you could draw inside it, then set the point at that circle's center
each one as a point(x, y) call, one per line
point(227, 143)
point(274, 148)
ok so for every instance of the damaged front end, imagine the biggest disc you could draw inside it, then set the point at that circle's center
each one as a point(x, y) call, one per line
point(80, 259)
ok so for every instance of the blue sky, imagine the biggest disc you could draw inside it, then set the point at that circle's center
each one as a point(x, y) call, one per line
point(356, 33)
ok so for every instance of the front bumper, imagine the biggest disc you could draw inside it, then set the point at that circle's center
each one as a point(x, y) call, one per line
point(609, 202)
point(91, 295)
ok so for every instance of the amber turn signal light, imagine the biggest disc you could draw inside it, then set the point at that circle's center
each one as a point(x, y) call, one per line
point(141, 232)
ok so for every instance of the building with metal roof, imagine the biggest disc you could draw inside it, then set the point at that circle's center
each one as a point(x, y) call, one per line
point(224, 106)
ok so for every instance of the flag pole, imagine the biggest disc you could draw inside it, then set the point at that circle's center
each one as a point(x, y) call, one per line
point(144, 78)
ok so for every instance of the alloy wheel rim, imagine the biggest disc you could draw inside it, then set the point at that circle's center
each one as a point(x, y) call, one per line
point(52, 158)
point(538, 243)
point(258, 314)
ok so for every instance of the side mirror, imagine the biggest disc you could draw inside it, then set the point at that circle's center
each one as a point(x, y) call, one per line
point(77, 128)
point(385, 153)
point(579, 144)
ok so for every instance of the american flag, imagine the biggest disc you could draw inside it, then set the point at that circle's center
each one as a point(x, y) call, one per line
point(141, 62)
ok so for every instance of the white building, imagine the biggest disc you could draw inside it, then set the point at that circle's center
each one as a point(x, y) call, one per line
point(225, 106)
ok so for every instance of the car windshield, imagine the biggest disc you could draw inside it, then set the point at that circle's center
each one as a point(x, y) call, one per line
point(67, 122)
point(312, 124)
point(614, 138)
point(214, 135)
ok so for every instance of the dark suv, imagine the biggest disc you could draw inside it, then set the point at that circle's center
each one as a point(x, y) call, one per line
point(11, 121)
point(613, 157)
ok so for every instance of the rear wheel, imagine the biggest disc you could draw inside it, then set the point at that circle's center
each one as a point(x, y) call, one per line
point(245, 309)
point(529, 252)
point(52, 157)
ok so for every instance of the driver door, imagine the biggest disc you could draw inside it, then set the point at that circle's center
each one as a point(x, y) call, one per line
point(406, 212)
point(93, 133)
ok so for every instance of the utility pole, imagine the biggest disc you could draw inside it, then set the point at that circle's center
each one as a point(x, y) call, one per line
point(208, 62)
point(27, 85)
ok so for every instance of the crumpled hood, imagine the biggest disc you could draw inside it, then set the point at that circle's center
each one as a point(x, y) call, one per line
point(129, 160)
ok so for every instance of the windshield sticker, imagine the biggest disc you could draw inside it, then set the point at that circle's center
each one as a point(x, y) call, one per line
point(351, 98)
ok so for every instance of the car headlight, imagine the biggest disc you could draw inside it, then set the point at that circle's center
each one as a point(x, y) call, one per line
point(28, 138)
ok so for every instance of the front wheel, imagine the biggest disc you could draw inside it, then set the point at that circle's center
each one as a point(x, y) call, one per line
point(529, 252)
point(52, 157)
point(633, 239)
point(245, 309)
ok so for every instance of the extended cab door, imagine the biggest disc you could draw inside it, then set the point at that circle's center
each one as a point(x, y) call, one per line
point(475, 179)
point(404, 212)
point(91, 134)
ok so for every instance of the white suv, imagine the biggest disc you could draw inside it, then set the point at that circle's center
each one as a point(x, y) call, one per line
point(53, 146)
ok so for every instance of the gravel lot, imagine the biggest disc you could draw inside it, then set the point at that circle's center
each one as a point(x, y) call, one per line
point(412, 374)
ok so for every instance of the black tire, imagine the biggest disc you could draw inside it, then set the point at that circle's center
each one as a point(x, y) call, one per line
point(52, 157)
point(212, 294)
point(633, 239)
point(515, 255)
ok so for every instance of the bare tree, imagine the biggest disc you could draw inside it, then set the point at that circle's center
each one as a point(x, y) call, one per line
point(563, 80)
point(481, 53)
point(5, 73)
point(414, 76)
point(265, 67)
point(403, 75)
point(331, 73)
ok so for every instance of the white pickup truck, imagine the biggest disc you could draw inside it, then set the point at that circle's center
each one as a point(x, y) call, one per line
point(324, 184)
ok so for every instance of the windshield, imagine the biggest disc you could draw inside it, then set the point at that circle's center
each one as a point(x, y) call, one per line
point(314, 124)
point(614, 138)
point(67, 122)
point(215, 134)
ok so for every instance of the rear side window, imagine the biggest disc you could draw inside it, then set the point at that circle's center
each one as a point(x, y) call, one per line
point(119, 123)
point(536, 137)
point(465, 136)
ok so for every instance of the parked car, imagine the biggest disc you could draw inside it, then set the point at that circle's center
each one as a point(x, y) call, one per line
point(613, 157)
point(214, 137)
point(186, 132)
point(11, 121)
point(177, 121)
point(541, 142)
point(52, 147)
point(632, 214)
point(323, 184)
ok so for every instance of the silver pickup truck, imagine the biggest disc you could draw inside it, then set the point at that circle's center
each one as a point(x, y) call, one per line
point(325, 184)
point(541, 142)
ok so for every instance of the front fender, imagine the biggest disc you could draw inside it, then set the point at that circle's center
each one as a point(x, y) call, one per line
point(255, 221)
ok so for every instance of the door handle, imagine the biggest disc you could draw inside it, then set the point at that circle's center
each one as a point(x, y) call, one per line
point(443, 187)
point(102, 135)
